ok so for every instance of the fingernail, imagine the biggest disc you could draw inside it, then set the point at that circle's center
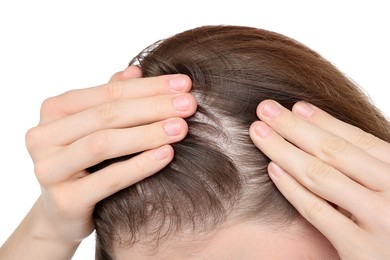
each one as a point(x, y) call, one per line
point(177, 82)
point(181, 103)
point(172, 128)
point(275, 169)
point(271, 109)
point(262, 129)
point(161, 153)
point(304, 109)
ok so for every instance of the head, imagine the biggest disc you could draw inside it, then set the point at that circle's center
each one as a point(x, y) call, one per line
point(216, 193)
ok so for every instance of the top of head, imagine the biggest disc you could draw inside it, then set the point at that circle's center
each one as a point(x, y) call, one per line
point(218, 175)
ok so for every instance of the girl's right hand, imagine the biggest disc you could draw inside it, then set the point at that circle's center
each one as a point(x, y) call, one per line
point(81, 128)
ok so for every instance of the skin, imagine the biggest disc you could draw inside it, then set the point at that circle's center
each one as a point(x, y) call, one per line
point(330, 162)
point(84, 127)
point(240, 240)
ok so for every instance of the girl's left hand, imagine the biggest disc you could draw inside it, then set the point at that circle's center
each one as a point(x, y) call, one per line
point(318, 160)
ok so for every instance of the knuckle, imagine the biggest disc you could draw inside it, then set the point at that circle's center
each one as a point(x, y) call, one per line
point(149, 134)
point(98, 144)
point(113, 184)
point(160, 105)
point(42, 173)
point(294, 189)
point(140, 166)
point(316, 172)
point(113, 91)
point(290, 122)
point(49, 106)
point(333, 146)
point(313, 209)
point(381, 208)
point(358, 249)
point(33, 138)
point(365, 140)
point(55, 106)
point(107, 113)
point(165, 105)
point(63, 203)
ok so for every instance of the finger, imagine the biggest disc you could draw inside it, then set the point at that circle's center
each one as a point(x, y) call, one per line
point(75, 101)
point(315, 175)
point(128, 73)
point(99, 185)
point(108, 144)
point(337, 228)
point(120, 114)
point(335, 151)
point(365, 141)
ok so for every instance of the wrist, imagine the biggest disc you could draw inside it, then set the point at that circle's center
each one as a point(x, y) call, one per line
point(44, 227)
point(37, 238)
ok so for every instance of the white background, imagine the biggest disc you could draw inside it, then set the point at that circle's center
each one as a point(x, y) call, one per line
point(48, 47)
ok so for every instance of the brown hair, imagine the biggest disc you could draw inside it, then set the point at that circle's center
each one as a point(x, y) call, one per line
point(217, 173)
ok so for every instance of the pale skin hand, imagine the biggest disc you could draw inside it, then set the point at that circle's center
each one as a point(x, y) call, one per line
point(81, 128)
point(331, 162)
